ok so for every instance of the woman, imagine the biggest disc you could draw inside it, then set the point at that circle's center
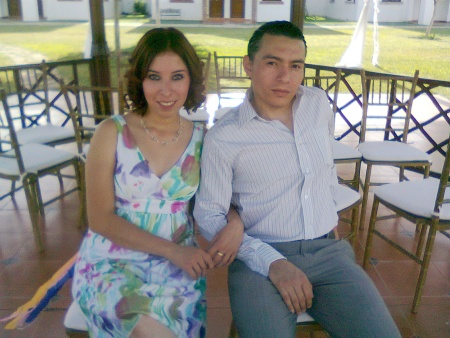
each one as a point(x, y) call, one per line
point(140, 272)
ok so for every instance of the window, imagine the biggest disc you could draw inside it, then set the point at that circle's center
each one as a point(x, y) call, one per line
point(391, 0)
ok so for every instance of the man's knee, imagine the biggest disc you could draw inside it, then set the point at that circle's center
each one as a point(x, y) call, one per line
point(257, 307)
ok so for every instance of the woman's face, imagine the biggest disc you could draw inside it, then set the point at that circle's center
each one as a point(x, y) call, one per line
point(166, 84)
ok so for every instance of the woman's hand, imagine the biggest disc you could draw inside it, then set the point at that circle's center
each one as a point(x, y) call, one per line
point(225, 244)
point(195, 261)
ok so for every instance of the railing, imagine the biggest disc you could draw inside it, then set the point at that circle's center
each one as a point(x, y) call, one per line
point(33, 90)
point(38, 85)
point(430, 119)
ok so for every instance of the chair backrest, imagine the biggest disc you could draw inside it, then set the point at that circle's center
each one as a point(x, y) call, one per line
point(444, 183)
point(206, 66)
point(387, 104)
point(230, 74)
point(9, 144)
point(329, 81)
point(88, 106)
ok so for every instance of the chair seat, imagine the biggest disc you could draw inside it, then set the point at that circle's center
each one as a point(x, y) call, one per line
point(74, 319)
point(200, 115)
point(346, 197)
point(36, 157)
point(414, 197)
point(391, 151)
point(221, 112)
point(44, 134)
point(305, 318)
point(342, 151)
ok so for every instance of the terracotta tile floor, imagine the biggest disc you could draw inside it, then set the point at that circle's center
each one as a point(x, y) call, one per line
point(23, 269)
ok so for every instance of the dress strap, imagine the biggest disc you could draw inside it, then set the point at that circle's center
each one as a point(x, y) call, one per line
point(120, 122)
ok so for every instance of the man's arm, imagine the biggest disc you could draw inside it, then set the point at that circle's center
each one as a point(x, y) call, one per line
point(213, 201)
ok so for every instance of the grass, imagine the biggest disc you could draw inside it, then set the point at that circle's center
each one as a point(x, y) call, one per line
point(402, 47)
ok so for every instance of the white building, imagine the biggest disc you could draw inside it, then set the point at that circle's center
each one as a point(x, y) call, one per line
point(239, 10)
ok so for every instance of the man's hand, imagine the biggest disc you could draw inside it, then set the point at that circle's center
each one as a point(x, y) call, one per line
point(225, 244)
point(293, 285)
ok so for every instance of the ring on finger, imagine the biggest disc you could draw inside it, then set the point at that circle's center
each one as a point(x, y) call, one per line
point(219, 254)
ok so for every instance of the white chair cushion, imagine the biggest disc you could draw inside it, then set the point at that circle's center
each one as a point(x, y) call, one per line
point(346, 197)
point(44, 134)
point(221, 112)
point(200, 115)
point(392, 151)
point(342, 151)
point(74, 318)
point(415, 197)
point(36, 157)
point(304, 318)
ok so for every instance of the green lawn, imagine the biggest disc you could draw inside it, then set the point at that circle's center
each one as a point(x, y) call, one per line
point(402, 47)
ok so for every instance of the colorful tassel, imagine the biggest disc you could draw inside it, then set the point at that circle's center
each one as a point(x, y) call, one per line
point(29, 311)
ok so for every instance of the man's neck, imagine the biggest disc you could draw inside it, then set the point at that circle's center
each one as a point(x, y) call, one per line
point(284, 115)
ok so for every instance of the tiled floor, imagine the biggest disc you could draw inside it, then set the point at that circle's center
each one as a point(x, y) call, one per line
point(23, 269)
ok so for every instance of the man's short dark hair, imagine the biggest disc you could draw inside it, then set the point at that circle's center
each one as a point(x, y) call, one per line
point(280, 28)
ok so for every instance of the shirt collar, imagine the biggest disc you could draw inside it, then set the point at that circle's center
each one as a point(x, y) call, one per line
point(247, 112)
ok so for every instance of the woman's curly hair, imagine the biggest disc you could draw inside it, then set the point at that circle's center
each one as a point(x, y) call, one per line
point(154, 42)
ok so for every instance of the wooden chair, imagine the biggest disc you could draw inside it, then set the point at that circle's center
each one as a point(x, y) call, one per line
point(88, 106)
point(342, 153)
point(230, 75)
point(424, 202)
point(34, 109)
point(27, 164)
point(387, 104)
point(206, 67)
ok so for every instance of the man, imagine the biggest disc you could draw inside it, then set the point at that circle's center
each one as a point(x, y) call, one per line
point(271, 158)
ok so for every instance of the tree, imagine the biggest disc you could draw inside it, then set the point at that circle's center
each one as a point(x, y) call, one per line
point(430, 25)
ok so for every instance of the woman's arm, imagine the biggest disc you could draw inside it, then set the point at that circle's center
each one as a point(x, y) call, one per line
point(100, 166)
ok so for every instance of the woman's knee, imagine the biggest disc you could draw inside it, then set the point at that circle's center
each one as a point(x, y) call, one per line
point(149, 327)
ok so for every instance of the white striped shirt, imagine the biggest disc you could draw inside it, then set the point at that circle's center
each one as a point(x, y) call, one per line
point(281, 182)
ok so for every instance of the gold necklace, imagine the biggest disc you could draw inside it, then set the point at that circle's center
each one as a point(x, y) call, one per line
point(164, 143)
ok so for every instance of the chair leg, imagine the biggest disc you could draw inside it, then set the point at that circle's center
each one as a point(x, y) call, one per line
point(365, 196)
point(38, 194)
point(60, 179)
point(424, 269)
point(29, 185)
point(356, 177)
point(354, 224)
point(373, 219)
point(80, 176)
point(233, 331)
point(422, 235)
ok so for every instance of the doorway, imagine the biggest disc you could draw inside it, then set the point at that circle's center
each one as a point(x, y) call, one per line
point(237, 9)
point(216, 8)
point(15, 11)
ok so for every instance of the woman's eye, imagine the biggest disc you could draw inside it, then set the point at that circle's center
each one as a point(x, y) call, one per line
point(178, 77)
point(153, 77)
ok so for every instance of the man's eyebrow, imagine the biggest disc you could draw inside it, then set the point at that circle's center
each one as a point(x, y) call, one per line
point(273, 57)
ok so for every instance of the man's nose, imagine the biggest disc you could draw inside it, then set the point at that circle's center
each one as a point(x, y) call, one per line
point(283, 74)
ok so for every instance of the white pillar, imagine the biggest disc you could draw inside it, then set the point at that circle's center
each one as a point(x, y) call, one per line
point(30, 10)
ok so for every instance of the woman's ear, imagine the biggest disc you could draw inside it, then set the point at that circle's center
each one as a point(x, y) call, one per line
point(248, 66)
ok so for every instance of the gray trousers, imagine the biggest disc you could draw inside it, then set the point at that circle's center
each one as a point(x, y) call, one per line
point(346, 302)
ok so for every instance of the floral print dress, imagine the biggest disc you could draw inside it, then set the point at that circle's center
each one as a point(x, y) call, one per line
point(113, 285)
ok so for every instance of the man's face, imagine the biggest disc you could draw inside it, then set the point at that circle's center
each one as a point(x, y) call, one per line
point(276, 72)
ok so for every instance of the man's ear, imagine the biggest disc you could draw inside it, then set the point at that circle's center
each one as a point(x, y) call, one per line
point(248, 66)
